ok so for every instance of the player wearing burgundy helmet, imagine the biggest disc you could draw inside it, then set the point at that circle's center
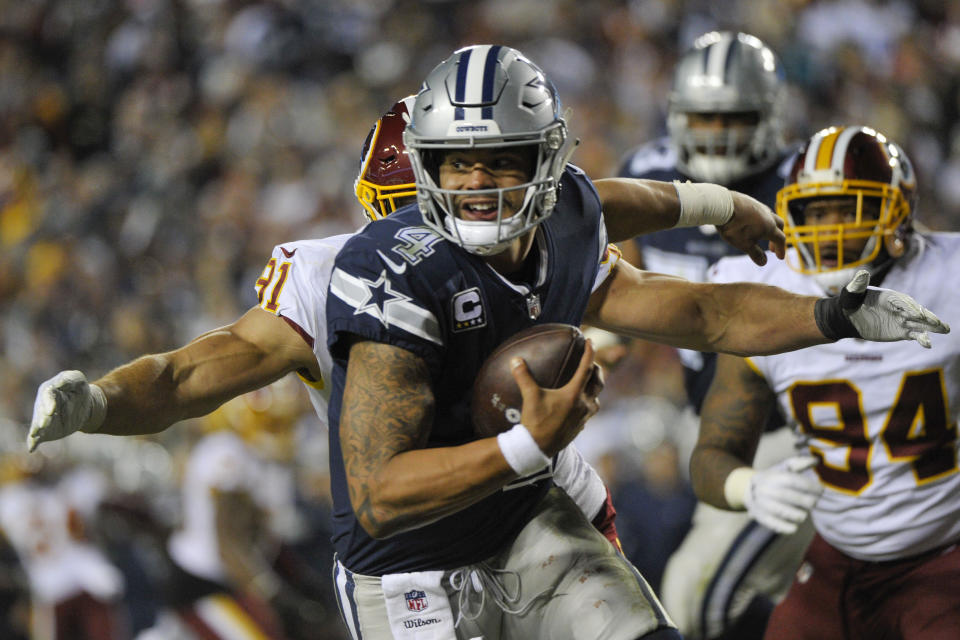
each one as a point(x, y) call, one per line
point(385, 182)
point(874, 424)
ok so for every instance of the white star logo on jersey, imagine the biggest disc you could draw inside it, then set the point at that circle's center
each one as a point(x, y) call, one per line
point(377, 296)
point(378, 299)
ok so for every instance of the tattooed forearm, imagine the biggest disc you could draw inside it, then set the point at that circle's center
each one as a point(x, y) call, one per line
point(731, 421)
point(387, 409)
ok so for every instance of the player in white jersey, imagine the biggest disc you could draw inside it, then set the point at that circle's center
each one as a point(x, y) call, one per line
point(874, 424)
point(75, 591)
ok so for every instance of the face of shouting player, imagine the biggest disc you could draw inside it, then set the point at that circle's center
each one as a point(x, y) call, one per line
point(477, 170)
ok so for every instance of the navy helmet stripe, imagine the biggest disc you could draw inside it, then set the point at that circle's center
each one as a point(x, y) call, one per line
point(731, 51)
point(460, 93)
point(705, 58)
point(489, 73)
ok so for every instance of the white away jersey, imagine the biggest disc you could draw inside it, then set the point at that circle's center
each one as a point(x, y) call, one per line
point(294, 286)
point(881, 417)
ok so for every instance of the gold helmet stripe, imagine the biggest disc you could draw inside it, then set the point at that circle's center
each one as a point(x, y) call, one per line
point(840, 150)
point(825, 154)
point(372, 149)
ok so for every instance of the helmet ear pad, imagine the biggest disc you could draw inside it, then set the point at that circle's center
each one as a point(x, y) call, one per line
point(895, 245)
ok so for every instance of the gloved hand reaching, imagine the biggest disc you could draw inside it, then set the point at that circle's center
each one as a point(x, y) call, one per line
point(66, 403)
point(881, 315)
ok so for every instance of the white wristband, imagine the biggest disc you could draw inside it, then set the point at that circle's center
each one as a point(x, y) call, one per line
point(98, 410)
point(521, 451)
point(703, 203)
point(736, 485)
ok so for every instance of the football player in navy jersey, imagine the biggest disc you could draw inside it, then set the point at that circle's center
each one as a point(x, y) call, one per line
point(440, 534)
point(725, 126)
point(437, 529)
point(386, 183)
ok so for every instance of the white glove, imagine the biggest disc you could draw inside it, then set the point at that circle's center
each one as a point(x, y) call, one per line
point(780, 497)
point(66, 403)
point(881, 315)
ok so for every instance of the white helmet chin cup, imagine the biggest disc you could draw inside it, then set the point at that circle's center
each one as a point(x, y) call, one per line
point(716, 169)
point(483, 237)
point(832, 281)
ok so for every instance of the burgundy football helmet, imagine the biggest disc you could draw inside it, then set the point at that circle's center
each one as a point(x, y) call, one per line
point(855, 162)
point(386, 178)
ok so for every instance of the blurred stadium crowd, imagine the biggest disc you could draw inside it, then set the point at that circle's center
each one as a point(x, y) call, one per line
point(153, 151)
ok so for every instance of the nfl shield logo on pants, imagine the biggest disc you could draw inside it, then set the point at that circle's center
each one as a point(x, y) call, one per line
point(416, 600)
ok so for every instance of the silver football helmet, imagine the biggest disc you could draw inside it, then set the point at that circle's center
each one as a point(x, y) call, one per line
point(727, 73)
point(487, 96)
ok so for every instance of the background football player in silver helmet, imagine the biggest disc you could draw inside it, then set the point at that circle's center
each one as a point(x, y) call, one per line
point(725, 124)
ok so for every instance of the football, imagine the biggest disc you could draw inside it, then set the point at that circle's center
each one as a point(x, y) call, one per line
point(552, 352)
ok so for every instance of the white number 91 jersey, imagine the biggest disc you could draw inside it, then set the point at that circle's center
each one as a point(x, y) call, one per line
point(294, 285)
point(880, 417)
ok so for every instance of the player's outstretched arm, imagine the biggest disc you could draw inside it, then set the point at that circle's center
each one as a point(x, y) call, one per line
point(731, 422)
point(388, 411)
point(750, 318)
point(633, 207)
point(154, 391)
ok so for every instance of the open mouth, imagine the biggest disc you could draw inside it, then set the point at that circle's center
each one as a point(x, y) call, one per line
point(828, 258)
point(479, 210)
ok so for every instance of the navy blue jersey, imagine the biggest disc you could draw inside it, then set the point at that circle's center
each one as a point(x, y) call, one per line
point(690, 251)
point(399, 283)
